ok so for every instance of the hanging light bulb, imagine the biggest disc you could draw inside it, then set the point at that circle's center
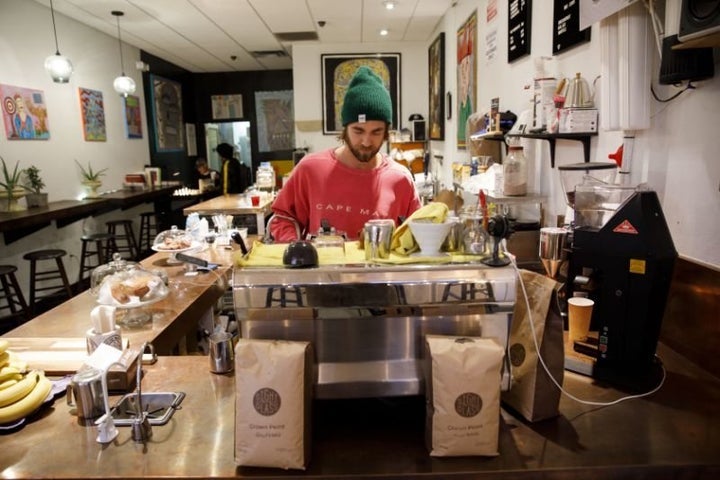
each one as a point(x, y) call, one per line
point(58, 66)
point(123, 84)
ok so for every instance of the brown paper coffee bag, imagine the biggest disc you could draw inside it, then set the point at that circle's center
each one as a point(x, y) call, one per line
point(273, 398)
point(532, 393)
point(462, 378)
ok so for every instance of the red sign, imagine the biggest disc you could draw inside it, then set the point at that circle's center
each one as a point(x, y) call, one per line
point(625, 227)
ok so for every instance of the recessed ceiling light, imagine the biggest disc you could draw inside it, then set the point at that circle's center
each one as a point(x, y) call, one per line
point(384, 32)
point(389, 4)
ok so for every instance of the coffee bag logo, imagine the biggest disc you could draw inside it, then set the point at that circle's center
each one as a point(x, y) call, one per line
point(517, 354)
point(468, 404)
point(266, 402)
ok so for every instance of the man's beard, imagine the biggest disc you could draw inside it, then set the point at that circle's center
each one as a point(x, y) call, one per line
point(365, 155)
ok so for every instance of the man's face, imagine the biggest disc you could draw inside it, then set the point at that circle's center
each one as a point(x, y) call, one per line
point(365, 139)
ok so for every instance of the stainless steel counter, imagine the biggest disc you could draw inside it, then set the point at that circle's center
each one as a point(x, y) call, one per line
point(673, 434)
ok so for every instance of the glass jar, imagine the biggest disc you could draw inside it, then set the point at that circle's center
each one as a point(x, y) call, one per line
point(265, 178)
point(515, 172)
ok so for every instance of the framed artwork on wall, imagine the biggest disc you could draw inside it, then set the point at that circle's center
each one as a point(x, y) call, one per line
point(275, 120)
point(24, 113)
point(133, 117)
point(226, 106)
point(436, 101)
point(466, 75)
point(167, 114)
point(338, 70)
point(93, 115)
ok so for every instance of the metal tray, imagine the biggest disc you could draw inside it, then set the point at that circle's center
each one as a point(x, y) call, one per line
point(159, 406)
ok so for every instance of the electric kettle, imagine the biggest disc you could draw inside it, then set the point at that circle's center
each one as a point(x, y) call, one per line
point(578, 93)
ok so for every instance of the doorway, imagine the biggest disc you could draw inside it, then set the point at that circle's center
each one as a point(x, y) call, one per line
point(236, 134)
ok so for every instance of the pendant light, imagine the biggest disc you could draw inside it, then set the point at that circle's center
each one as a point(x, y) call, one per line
point(58, 66)
point(123, 84)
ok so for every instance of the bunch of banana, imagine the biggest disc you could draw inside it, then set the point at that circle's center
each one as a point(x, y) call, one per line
point(21, 392)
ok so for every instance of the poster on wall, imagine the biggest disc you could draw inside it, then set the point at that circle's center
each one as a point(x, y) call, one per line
point(24, 113)
point(133, 117)
point(338, 70)
point(226, 106)
point(519, 28)
point(566, 26)
point(167, 114)
point(275, 120)
point(436, 69)
point(92, 111)
point(466, 75)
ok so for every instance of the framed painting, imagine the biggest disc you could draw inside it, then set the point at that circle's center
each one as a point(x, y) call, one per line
point(167, 114)
point(226, 106)
point(133, 117)
point(275, 120)
point(24, 113)
point(436, 100)
point(466, 75)
point(92, 111)
point(338, 70)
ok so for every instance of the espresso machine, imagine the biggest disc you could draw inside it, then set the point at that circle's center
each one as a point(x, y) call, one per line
point(621, 256)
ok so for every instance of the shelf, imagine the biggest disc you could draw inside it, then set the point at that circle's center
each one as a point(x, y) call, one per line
point(583, 138)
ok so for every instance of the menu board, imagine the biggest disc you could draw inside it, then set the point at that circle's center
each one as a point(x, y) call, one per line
point(566, 26)
point(519, 23)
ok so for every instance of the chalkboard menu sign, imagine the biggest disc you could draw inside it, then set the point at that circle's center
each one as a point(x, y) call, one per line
point(519, 23)
point(566, 26)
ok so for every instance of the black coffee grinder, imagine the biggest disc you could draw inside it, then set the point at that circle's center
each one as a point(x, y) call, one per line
point(622, 257)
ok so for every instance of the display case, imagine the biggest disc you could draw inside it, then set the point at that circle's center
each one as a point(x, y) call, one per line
point(367, 322)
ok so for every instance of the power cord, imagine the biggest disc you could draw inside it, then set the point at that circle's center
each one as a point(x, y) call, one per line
point(545, 367)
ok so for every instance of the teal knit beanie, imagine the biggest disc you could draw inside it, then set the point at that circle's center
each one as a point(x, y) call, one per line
point(366, 99)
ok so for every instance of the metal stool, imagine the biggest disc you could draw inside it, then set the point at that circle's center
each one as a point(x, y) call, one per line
point(11, 299)
point(123, 243)
point(104, 242)
point(45, 277)
point(148, 231)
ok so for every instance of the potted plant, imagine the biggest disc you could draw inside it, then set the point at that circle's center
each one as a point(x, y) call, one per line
point(34, 184)
point(12, 189)
point(91, 179)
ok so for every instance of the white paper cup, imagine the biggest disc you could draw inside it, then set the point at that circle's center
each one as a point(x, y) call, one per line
point(579, 316)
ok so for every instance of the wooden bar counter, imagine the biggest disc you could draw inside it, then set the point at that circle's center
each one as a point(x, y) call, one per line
point(233, 205)
point(174, 317)
point(673, 434)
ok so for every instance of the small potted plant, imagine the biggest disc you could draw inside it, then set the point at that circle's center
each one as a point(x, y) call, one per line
point(12, 189)
point(34, 184)
point(91, 179)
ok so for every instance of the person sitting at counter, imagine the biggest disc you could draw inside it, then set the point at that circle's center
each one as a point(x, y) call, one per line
point(235, 176)
point(204, 172)
point(354, 182)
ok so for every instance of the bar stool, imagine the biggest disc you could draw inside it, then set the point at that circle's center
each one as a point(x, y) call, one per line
point(282, 299)
point(11, 299)
point(148, 231)
point(123, 242)
point(47, 280)
point(103, 244)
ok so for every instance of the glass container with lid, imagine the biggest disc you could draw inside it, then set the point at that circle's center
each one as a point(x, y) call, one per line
point(173, 240)
point(515, 172)
point(116, 265)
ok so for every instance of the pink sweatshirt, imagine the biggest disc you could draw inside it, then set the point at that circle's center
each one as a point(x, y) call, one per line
point(322, 187)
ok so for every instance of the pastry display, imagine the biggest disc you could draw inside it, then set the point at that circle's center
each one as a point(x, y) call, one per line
point(131, 288)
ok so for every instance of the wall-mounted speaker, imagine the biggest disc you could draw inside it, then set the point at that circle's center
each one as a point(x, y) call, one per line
point(418, 130)
point(698, 18)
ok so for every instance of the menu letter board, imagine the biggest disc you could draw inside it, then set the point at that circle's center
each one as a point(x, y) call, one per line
point(566, 26)
point(519, 23)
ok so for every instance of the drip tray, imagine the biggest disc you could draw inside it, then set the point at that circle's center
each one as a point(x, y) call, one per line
point(159, 406)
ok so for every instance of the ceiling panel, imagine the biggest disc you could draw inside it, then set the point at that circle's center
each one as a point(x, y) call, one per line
point(203, 35)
